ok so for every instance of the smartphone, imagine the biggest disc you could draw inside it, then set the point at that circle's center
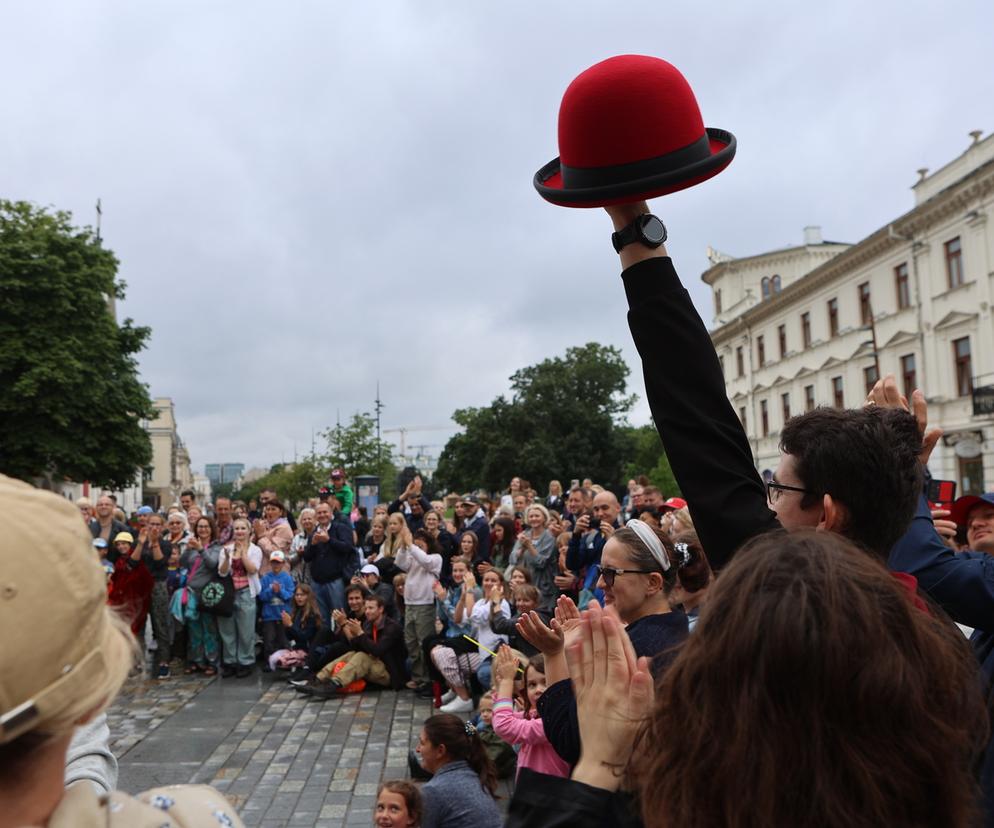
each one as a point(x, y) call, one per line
point(941, 491)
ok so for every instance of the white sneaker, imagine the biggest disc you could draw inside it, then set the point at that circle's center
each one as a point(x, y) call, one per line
point(449, 696)
point(457, 705)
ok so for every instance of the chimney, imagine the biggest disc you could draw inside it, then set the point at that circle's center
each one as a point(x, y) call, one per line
point(922, 174)
point(812, 234)
point(975, 135)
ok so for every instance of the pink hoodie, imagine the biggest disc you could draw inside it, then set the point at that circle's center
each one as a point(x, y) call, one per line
point(536, 752)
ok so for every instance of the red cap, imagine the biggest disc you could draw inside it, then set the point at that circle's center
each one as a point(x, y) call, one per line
point(964, 505)
point(674, 503)
point(337, 473)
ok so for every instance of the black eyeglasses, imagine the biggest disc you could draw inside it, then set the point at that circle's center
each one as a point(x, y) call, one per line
point(609, 573)
point(774, 490)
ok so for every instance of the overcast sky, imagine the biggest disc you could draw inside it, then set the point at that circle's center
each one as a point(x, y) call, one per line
point(309, 196)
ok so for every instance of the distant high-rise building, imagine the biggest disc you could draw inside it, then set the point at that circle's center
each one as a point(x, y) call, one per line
point(219, 473)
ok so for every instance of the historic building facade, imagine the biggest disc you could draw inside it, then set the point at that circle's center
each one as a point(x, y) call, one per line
point(817, 324)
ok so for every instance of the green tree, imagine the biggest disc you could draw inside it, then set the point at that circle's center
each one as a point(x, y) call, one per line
point(645, 455)
point(355, 448)
point(71, 402)
point(295, 483)
point(564, 419)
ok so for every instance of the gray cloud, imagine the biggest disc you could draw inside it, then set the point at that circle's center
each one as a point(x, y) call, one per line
point(308, 197)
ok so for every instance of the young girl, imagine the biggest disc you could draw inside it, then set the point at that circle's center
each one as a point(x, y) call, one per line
point(398, 805)
point(300, 628)
point(524, 728)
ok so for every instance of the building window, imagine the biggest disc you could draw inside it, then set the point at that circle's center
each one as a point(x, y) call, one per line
point(739, 362)
point(809, 398)
point(775, 284)
point(717, 301)
point(760, 351)
point(785, 403)
point(865, 313)
point(764, 416)
point(782, 338)
point(901, 282)
point(870, 377)
point(908, 374)
point(806, 329)
point(954, 262)
point(964, 372)
point(742, 416)
point(837, 395)
point(765, 287)
point(833, 317)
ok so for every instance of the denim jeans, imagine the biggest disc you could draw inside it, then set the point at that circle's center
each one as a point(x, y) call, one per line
point(330, 596)
point(238, 632)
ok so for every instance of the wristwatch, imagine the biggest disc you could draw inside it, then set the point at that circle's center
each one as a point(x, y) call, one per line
point(647, 229)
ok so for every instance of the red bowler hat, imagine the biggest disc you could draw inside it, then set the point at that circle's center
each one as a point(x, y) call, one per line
point(630, 130)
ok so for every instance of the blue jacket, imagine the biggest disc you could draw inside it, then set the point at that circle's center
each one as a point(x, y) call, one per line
point(273, 603)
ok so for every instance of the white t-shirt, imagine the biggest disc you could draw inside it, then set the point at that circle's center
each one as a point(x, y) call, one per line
point(480, 619)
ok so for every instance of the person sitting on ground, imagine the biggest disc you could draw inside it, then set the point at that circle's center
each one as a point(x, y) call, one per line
point(454, 618)
point(370, 577)
point(330, 643)
point(526, 600)
point(398, 805)
point(802, 630)
point(52, 685)
point(464, 783)
point(458, 668)
point(377, 654)
point(693, 577)
point(275, 595)
point(300, 628)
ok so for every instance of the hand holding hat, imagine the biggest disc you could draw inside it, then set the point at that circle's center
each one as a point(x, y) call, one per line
point(630, 130)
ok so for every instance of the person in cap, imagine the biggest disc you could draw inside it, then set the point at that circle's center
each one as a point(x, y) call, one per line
point(275, 598)
point(343, 491)
point(975, 514)
point(370, 576)
point(51, 685)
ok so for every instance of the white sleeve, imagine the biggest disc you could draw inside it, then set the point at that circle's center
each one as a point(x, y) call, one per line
point(89, 758)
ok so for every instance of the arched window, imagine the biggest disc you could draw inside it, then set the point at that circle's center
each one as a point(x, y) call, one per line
point(775, 283)
point(765, 285)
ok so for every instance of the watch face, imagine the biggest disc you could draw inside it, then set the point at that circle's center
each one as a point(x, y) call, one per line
point(653, 230)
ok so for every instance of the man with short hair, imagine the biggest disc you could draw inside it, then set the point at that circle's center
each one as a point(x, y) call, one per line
point(224, 519)
point(105, 525)
point(332, 557)
point(369, 575)
point(590, 533)
point(577, 503)
point(187, 498)
point(377, 654)
point(652, 498)
point(474, 520)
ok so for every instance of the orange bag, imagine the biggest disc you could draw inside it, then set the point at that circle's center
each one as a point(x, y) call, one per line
point(356, 686)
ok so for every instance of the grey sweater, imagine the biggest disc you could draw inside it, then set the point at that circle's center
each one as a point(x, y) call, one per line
point(455, 798)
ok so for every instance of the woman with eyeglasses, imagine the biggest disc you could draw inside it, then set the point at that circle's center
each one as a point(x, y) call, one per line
point(638, 569)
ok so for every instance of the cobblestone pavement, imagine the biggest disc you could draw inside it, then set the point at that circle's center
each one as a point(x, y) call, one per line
point(280, 757)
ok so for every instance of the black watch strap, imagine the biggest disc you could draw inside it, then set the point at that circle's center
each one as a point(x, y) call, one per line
point(636, 232)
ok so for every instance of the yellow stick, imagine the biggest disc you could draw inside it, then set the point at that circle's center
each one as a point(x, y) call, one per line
point(478, 644)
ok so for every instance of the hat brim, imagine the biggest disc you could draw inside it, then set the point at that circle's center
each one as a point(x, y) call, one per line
point(962, 507)
point(549, 182)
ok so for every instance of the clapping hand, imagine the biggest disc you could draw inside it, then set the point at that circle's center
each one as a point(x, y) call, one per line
point(497, 595)
point(506, 663)
point(469, 580)
point(548, 640)
point(286, 619)
point(614, 697)
point(439, 590)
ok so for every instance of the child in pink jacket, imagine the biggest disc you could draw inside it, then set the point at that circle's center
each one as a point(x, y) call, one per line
point(524, 729)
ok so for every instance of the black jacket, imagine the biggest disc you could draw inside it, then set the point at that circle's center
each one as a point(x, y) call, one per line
point(334, 558)
point(542, 801)
point(388, 648)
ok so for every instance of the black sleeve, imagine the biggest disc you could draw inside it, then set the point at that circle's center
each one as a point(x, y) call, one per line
point(391, 637)
point(542, 801)
point(557, 708)
point(704, 440)
point(311, 551)
point(501, 624)
point(394, 507)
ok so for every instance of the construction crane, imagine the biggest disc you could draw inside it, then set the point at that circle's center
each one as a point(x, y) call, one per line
point(402, 430)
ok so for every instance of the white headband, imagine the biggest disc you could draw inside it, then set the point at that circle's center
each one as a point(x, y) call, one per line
point(648, 537)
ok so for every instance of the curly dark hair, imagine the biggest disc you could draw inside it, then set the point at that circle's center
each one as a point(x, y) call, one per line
point(867, 460)
point(814, 692)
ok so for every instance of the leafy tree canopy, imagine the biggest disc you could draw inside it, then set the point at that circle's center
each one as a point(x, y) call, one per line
point(355, 448)
point(71, 402)
point(565, 419)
